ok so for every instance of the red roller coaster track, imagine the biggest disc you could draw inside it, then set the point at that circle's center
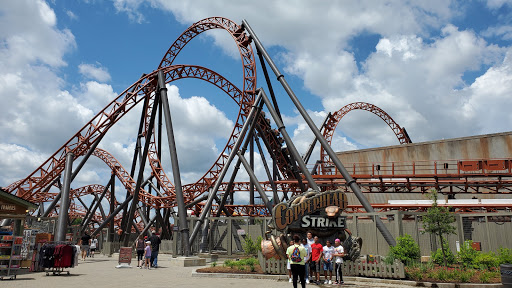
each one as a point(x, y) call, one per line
point(34, 187)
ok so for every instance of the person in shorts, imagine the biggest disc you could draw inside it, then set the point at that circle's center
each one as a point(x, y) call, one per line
point(316, 256)
point(94, 246)
point(328, 252)
point(85, 243)
point(147, 255)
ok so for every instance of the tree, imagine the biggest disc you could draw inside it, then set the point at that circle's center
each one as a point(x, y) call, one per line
point(438, 221)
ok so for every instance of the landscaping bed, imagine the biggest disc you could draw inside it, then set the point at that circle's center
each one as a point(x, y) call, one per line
point(243, 266)
point(452, 275)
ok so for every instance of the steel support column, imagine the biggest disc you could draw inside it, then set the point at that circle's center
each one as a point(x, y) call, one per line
point(62, 222)
point(182, 212)
point(350, 181)
point(140, 177)
point(222, 173)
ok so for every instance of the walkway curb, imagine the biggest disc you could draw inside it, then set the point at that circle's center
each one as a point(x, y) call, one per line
point(351, 279)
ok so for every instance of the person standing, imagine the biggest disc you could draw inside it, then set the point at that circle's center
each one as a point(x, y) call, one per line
point(328, 252)
point(316, 253)
point(310, 240)
point(288, 265)
point(147, 255)
point(296, 255)
point(139, 246)
point(306, 259)
point(339, 252)
point(155, 247)
point(85, 243)
point(94, 246)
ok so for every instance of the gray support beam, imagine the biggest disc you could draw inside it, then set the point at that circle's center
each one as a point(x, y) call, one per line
point(95, 205)
point(349, 180)
point(224, 169)
point(112, 215)
point(289, 143)
point(275, 197)
point(62, 221)
point(111, 208)
point(140, 176)
point(254, 179)
point(182, 212)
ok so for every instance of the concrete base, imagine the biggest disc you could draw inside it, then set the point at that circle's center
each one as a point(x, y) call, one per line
point(187, 261)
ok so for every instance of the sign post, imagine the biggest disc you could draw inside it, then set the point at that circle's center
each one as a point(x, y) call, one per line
point(125, 257)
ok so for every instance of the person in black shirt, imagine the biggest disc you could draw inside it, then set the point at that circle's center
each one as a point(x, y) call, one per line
point(155, 246)
point(85, 243)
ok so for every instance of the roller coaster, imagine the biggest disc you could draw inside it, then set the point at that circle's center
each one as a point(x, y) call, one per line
point(155, 197)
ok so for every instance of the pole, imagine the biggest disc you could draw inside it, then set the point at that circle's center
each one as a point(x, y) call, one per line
point(112, 215)
point(350, 181)
point(182, 212)
point(222, 173)
point(289, 143)
point(254, 179)
point(62, 221)
point(141, 172)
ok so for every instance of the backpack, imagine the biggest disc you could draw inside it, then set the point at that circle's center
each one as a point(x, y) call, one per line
point(295, 257)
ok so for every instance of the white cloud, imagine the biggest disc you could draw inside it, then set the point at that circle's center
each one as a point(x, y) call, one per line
point(94, 71)
point(71, 15)
point(497, 4)
point(505, 32)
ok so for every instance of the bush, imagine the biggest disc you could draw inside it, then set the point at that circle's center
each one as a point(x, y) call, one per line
point(251, 247)
point(486, 261)
point(465, 276)
point(467, 254)
point(437, 257)
point(505, 255)
point(406, 250)
point(213, 264)
point(485, 276)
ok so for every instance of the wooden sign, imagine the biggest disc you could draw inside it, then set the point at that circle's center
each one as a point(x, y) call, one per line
point(285, 214)
point(125, 255)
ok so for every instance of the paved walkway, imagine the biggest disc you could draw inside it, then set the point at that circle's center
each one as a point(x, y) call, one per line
point(101, 272)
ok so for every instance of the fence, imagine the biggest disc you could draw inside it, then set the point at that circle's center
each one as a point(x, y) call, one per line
point(226, 235)
point(350, 268)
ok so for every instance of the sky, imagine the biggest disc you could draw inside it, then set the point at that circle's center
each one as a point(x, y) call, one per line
point(442, 69)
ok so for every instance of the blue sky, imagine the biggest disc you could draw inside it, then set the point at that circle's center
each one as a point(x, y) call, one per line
point(442, 69)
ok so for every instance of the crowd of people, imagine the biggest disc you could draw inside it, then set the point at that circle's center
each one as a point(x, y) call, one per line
point(307, 257)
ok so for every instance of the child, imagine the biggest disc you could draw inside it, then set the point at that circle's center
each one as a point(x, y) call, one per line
point(147, 254)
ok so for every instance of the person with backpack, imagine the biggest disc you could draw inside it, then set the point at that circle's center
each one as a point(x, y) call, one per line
point(296, 254)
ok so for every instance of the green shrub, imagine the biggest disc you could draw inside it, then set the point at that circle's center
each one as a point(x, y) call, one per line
point(406, 250)
point(442, 275)
point(416, 275)
point(251, 247)
point(229, 263)
point(467, 254)
point(248, 261)
point(465, 276)
point(437, 256)
point(485, 276)
point(486, 261)
point(213, 264)
point(504, 255)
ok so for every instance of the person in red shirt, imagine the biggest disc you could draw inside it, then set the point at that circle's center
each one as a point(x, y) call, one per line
point(316, 253)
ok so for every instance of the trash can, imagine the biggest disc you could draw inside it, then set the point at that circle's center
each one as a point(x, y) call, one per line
point(506, 275)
